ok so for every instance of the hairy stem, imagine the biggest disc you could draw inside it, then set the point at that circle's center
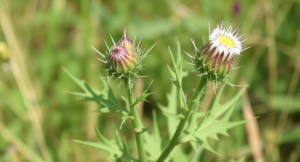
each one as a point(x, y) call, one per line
point(135, 122)
point(193, 102)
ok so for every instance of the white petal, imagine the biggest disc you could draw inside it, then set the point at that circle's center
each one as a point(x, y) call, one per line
point(216, 51)
point(225, 55)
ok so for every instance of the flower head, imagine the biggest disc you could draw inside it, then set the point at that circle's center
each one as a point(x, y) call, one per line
point(122, 59)
point(125, 42)
point(223, 41)
point(215, 59)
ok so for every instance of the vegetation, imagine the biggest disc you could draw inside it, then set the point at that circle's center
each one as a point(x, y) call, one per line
point(41, 121)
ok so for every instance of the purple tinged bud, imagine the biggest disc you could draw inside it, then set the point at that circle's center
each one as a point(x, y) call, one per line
point(122, 59)
point(214, 65)
point(127, 44)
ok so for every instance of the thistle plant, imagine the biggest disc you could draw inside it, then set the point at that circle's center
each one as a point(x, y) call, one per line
point(124, 60)
point(215, 59)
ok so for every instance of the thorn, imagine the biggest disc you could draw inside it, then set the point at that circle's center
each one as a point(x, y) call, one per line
point(98, 52)
point(222, 24)
point(208, 27)
point(101, 60)
point(240, 85)
point(111, 77)
point(188, 55)
point(150, 49)
point(125, 32)
point(202, 74)
point(193, 42)
point(241, 36)
point(243, 40)
point(123, 122)
point(190, 63)
point(216, 82)
point(107, 46)
point(112, 40)
point(245, 48)
point(138, 46)
point(135, 75)
point(134, 40)
point(196, 69)
point(229, 28)
point(234, 68)
point(237, 29)
point(119, 85)
point(143, 76)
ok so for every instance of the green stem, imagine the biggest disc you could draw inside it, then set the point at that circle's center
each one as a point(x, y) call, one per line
point(135, 122)
point(171, 145)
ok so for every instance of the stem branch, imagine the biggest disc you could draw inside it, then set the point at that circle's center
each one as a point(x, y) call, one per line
point(171, 145)
point(135, 122)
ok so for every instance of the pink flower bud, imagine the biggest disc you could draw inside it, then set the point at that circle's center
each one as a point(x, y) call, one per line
point(125, 42)
point(122, 59)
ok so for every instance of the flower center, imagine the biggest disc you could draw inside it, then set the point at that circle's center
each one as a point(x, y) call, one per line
point(226, 41)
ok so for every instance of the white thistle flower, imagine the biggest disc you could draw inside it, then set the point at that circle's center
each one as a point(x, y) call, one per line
point(225, 42)
point(215, 59)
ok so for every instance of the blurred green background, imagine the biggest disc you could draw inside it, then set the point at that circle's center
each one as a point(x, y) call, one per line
point(39, 119)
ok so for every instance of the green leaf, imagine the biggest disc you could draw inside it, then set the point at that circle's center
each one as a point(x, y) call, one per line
point(178, 74)
point(117, 149)
point(171, 110)
point(176, 100)
point(143, 96)
point(105, 98)
point(100, 146)
point(153, 141)
point(216, 121)
point(178, 155)
point(172, 113)
point(124, 118)
point(216, 127)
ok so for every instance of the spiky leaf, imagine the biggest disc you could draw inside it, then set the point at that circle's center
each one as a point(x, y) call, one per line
point(178, 74)
point(216, 121)
point(116, 148)
point(143, 96)
point(176, 100)
point(153, 141)
point(105, 98)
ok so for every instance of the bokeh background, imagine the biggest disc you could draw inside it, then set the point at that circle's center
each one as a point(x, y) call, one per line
point(39, 119)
